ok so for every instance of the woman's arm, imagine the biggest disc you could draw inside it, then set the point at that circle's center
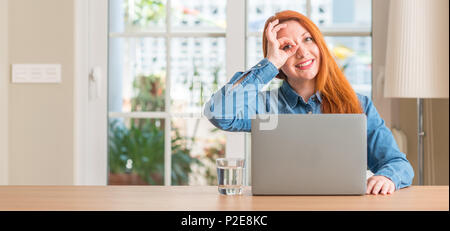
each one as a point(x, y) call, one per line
point(232, 107)
point(383, 155)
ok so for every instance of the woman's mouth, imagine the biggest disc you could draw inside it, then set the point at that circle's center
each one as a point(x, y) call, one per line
point(305, 65)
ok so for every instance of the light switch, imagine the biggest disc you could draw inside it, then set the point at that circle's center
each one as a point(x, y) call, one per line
point(36, 73)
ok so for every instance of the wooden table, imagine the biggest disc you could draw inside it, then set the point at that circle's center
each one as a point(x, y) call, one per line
point(195, 198)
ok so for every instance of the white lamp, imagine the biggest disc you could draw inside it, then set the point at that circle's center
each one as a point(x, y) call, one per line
point(417, 57)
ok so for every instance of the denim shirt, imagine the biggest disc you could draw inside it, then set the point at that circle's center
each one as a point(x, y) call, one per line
point(247, 99)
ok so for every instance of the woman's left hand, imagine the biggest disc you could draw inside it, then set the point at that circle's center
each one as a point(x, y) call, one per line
point(380, 184)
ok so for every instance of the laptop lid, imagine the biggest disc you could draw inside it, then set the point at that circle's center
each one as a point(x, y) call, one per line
point(309, 154)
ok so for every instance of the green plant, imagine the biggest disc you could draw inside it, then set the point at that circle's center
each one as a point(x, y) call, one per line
point(181, 160)
point(144, 12)
point(141, 141)
point(144, 146)
point(149, 93)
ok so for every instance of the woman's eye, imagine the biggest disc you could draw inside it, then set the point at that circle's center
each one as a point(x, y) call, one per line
point(287, 47)
point(309, 39)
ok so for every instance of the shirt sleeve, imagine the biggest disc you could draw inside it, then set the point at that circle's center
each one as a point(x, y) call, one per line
point(383, 155)
point(231, 109)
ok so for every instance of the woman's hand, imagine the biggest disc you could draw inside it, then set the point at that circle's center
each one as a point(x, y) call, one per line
point(380, 184)
point(278, 50)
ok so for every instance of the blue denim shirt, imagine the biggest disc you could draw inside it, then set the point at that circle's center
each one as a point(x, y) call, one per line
point(246, 99)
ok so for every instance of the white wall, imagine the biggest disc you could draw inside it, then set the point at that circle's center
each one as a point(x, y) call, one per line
point(41, 116)
point(53, 134)
point(4, 79)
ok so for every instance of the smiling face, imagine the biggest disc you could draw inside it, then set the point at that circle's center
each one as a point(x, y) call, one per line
point(304, 64)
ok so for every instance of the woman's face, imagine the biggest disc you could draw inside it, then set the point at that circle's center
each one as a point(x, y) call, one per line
point(304, 64)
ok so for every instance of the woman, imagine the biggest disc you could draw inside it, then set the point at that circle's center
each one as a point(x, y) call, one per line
point(295, 51)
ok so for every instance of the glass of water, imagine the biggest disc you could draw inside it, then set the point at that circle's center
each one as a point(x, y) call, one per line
point(230, 175)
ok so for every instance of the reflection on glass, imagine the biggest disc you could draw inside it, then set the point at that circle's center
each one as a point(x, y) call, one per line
point(342, 13)
point(354, 56)
point(137, 73)
point(196, 144)
point(198, 15)
point(197, 71)
point(136, 151)
point(259, 11)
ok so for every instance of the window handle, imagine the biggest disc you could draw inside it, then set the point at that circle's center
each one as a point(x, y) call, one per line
point(95, 78)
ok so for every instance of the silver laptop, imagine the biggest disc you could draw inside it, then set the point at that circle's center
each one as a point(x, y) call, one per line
point(301, 154)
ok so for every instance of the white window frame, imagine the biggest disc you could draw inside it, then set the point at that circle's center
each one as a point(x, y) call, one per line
point(233, 35)
point(91, 117)
point(90, 114)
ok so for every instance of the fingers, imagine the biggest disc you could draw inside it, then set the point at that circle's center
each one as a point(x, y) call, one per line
point(272, 30)
point(385, 188)
point(292, 46)
point(285, 41)
point(376, 189)
point(391, 188)
point(371, 182)
point(379, 185)
point(270, 36)
point(278, 28)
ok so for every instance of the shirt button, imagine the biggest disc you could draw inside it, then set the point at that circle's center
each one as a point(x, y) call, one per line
point(258, 65)
point(310, 112)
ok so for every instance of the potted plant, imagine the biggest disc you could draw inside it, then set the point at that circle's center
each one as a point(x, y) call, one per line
point(136, 147)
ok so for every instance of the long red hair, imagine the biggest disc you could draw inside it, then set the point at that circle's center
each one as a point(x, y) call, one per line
point(337, 94)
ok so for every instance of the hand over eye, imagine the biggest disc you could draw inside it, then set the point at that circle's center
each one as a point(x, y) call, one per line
point(287, 47)
point(278, 50)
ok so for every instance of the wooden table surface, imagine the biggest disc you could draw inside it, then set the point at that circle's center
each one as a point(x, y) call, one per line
point(206, 198)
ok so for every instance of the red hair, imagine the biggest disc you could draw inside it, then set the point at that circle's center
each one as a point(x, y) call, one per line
point(337, 94)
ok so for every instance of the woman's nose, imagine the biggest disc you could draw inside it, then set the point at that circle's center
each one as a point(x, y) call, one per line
point(301, 51)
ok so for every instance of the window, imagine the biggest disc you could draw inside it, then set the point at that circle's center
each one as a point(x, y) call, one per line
point(166, 58)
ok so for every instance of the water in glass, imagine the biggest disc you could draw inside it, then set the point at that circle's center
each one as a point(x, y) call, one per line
point(230, 179)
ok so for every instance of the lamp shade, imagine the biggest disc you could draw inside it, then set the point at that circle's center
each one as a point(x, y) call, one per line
point(417, 55)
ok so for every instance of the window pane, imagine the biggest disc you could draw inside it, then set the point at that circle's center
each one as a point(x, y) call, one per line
point(136, 151)
point(258, 11)
point(196, 144)
point(354, 55)
point(198, 15)
point(137, 15)
point(136, 74)
point(342, 13)
point(197, 71)
point(254, 51)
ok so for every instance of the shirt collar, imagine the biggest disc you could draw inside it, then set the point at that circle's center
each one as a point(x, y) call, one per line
point(292, 97)
point(319, 97)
